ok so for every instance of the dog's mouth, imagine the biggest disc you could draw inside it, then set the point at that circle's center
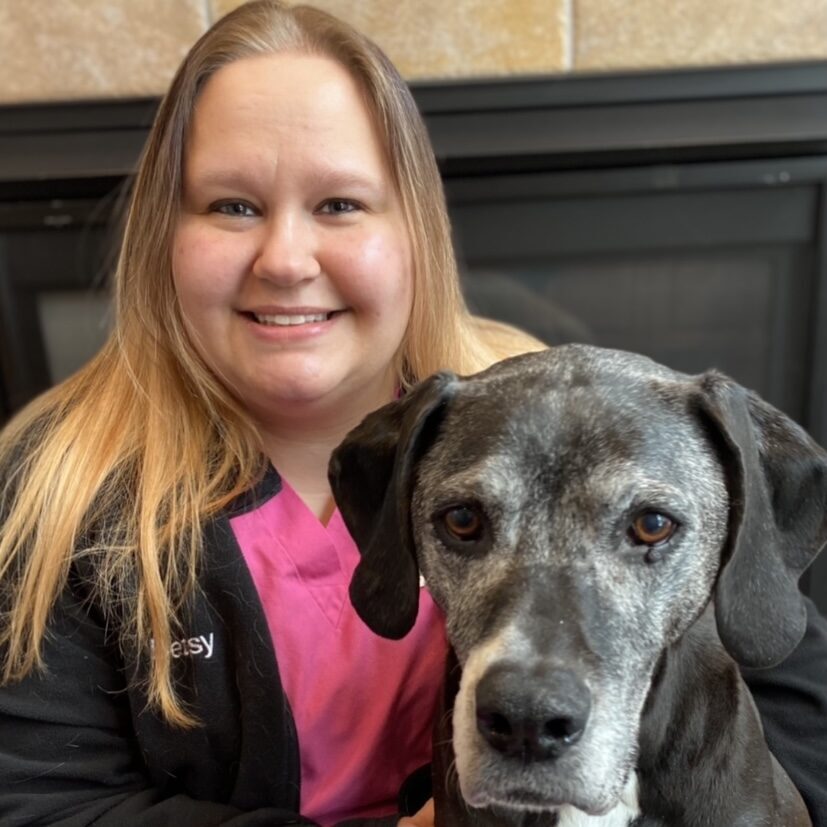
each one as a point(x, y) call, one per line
point(527, 815)
point(528, 800)
point(532, 807)
point(528, 807)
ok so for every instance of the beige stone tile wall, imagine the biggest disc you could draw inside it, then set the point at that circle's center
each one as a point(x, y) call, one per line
point(458, 38)
point(618, 34)
point(74, 49)
point(69, 49)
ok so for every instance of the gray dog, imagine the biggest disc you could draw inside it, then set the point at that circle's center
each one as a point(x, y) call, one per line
point(605, 536)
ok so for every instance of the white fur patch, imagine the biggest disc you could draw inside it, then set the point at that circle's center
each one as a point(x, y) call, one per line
point(509, 640)
point(622, 815)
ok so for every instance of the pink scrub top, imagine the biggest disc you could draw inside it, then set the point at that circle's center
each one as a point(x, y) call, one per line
point(363, 706)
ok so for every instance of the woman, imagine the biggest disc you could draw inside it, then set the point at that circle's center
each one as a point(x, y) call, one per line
point(176, 639)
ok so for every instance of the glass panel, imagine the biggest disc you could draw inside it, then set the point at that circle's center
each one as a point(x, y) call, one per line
point(736, 310)
point(75, 325)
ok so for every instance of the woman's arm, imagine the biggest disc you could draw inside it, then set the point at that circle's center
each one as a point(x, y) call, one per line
point(68, 751)
point(792, 700)
point(68, 754)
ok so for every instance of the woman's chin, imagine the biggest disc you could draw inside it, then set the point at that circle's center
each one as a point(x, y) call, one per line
point(307, 400)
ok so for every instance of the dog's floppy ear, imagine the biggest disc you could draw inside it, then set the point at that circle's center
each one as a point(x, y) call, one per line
point(777, 478)
point(371, 475)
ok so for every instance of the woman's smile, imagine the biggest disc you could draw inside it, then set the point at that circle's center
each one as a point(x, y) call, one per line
point(289, 319)
point(290, 326)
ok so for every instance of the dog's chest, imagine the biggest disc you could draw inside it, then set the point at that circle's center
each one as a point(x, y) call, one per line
point(623, 815)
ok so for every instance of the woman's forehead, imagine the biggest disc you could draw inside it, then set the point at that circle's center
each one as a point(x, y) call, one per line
point(265, 106)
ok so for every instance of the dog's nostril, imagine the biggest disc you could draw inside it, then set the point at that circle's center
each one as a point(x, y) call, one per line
point(567, 730)
point(495, 723)
point(558, 728)
point(496, 729)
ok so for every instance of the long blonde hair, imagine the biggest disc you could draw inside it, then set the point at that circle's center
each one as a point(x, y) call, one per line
point(121, 464)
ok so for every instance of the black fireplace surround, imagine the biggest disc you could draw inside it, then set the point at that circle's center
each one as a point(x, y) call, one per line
point(682, 214)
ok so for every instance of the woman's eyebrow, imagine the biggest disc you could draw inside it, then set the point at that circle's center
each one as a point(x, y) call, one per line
point(347, 178)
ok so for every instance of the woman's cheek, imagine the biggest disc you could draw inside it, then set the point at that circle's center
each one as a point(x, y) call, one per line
point(381, 260)
point(186, 256)
point(202, 263)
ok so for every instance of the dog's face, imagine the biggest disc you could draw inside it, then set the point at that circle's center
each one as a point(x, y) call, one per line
point(570, 512)
point(577, 530)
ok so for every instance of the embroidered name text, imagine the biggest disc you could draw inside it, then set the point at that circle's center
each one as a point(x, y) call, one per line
point(192, 646)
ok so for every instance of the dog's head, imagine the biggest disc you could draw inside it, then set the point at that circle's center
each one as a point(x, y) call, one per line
point(573, 511)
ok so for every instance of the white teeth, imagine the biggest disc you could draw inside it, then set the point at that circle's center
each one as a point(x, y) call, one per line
point(284, 321)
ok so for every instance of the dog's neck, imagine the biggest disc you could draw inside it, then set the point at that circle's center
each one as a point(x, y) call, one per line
point(699, 707)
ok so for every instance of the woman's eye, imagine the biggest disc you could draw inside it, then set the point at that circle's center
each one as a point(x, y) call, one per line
point(463, 523)
point(651, 528)
point(237, 209)
point(338, 206)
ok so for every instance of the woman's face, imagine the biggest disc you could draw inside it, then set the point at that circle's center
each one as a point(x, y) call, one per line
point(291, 259)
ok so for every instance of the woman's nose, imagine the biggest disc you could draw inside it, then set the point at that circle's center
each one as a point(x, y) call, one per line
point(287, 251)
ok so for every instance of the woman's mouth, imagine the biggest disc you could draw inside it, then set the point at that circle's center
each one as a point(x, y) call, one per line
point(290, 319)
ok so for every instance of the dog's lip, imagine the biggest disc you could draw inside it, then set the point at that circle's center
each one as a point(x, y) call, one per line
point(519, 798)
point(528, 799)
point(525, 800)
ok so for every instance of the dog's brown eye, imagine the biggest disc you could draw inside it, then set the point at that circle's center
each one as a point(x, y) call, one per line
point(463, 523)
point(652, 528)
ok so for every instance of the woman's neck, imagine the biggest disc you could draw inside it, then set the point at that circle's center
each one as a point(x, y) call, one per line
point(302, 461)
point(300, 450)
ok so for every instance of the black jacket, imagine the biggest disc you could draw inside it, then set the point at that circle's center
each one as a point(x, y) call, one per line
point(78, 745)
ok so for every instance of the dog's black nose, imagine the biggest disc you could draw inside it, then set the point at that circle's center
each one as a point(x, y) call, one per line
point(531, 713)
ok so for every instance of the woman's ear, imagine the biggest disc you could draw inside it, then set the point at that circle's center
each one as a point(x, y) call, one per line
point(371, 474)
point(777, 479)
